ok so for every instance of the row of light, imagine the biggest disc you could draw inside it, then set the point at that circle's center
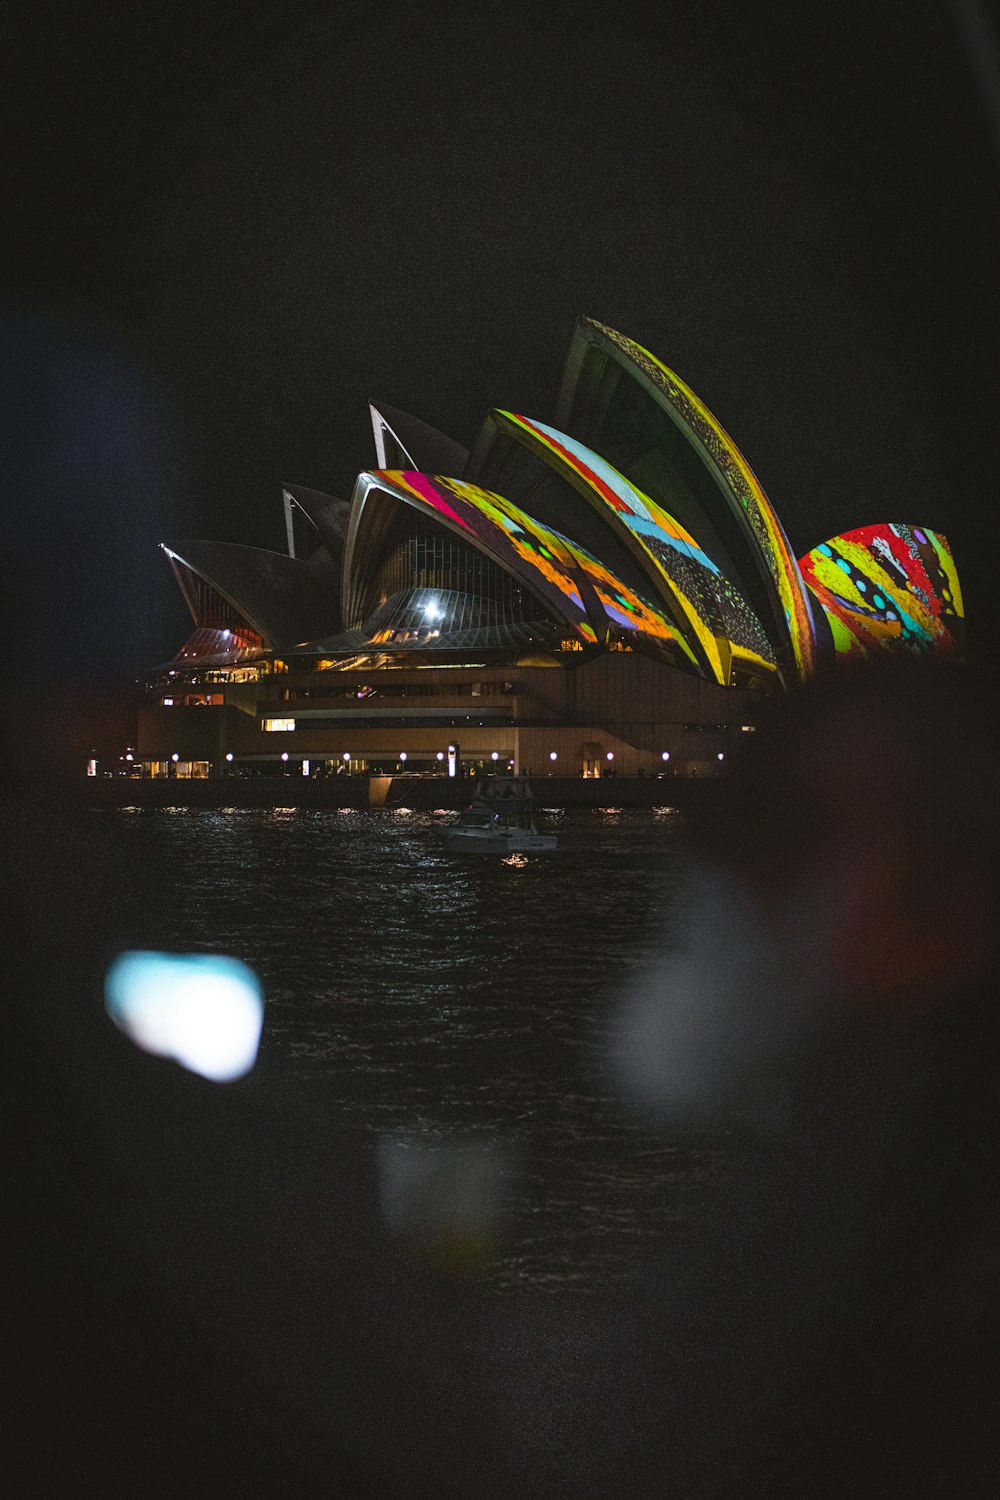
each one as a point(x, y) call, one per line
point(494, 755)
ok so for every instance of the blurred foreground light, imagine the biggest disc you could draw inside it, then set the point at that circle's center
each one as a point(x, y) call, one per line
point(444, 1196)
point(203, 1010)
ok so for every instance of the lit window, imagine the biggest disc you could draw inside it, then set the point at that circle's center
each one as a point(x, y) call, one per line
point(168, 703)
point(281, 726)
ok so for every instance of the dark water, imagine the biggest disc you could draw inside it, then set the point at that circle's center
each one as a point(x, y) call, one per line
point(435, 998)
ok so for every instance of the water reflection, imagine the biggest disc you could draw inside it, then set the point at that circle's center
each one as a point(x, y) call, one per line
point(427, 996)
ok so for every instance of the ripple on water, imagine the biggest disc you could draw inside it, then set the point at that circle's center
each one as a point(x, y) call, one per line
point(423, 992)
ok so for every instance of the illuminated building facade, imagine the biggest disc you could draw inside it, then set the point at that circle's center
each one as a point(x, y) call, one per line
point(611, 589)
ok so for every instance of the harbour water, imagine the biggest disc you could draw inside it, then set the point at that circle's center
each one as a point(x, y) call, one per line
point(434, 999)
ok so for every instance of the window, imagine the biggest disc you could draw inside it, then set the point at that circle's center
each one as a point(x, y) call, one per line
point(279, 725)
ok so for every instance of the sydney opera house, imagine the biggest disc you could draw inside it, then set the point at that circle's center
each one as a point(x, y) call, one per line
point(608, 589)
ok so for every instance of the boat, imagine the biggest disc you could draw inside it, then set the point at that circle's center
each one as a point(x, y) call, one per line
point(500, 819)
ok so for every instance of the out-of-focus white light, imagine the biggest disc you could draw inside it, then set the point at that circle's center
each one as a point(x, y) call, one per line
point(720, 756)
point(494, 755)
point(402, 754)
point(433, 610)
point(225, 635)
point(665, 755)
point(284, 754)
point(229, 755)
point(129, 756)
point(553, 755)
point(347, 754)
point(440, 755)
point(175, 756)
point(203, 1010)
point(611, 755)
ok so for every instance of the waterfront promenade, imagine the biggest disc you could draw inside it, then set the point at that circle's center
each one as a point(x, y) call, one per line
point(419, 792)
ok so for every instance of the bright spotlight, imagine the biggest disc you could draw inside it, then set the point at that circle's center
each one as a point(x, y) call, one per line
point(665, 755)
point(203, 1010)
point(553, 755)
point(495, 755)
point(611, 755)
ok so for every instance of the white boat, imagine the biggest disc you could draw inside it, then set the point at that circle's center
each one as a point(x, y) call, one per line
point(499, 820)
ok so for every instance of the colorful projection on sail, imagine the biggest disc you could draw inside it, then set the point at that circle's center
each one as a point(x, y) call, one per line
point(709, 608)
point(889, 587)
point(744, 489)
point(569, 580)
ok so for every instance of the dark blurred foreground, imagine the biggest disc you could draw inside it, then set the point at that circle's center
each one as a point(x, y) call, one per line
point(211, 1303)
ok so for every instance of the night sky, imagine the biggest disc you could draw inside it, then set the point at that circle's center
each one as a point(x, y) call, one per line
point(222, 236)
